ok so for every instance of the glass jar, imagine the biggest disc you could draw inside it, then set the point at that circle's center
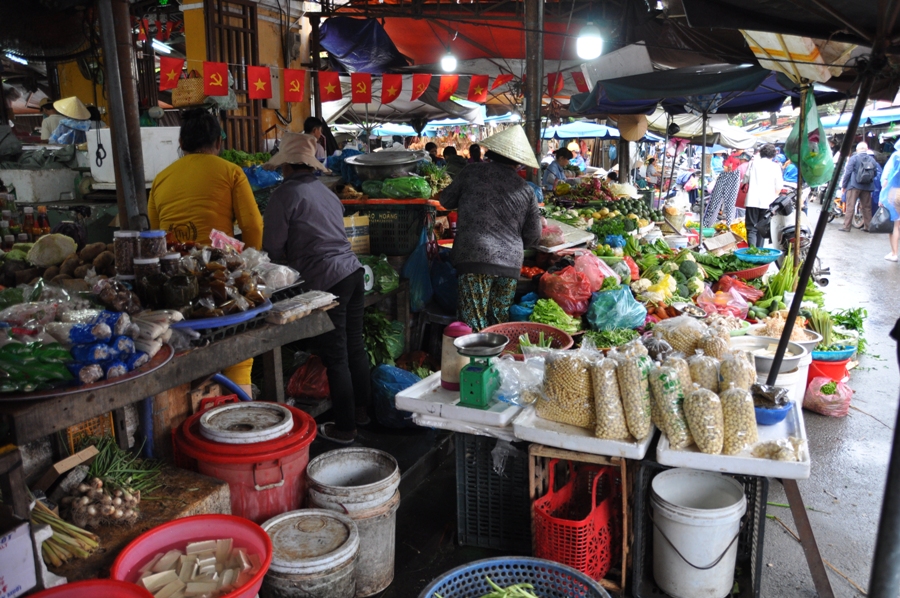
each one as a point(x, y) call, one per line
point(126, 249)
point(170, 264)
point(145, 266)
point(153, 244)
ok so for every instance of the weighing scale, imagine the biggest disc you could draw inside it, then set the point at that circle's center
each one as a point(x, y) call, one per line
point(479, 380)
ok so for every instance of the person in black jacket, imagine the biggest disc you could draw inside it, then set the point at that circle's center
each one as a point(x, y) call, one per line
point(854, 189)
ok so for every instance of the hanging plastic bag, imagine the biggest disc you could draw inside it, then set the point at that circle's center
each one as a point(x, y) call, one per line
point(521, 311)
point(589, 264)
point(828, 397)
point(310, 380)
point(387, 381)
point(723, 302)
point(418, 271)
point(262, 179)
point(384, 276)
point(614, 309)
point(569, 288)
point(812, 150)
point(445, 282)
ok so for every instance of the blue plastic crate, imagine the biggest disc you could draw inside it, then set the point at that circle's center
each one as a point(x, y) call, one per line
point(550, 580)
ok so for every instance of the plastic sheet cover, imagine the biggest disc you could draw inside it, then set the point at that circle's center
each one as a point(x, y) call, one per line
point(360, 46)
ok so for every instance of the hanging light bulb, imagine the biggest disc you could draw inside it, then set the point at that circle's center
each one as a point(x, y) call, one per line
point(589, 44)
point(448, 62)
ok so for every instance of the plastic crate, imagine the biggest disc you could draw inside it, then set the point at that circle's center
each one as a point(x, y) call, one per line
point(550, 580)
point(102, 425)
point(395, 229)
point(749, 563)
point(492, 511)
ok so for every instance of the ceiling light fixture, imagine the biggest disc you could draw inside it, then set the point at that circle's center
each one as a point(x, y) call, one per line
point(448, 62)
point(161, 47)
point(589, 44)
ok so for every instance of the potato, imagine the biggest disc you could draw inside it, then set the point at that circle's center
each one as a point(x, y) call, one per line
point(111, 247)
point(68, 266)
point(58, 279)
point(103, 261)
point(81, 271)
point(51, 272)
point(90, 252)
point(23, 276)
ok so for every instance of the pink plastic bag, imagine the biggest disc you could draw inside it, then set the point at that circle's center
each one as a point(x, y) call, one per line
point(589, 264)
point(569, 288)
point(551, 236)
point(836, 404)
point(726, 303)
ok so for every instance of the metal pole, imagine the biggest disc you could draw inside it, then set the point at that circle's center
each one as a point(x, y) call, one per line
point(803, 91)
point(662, 168)
point(124, 121)
point(314, 78)
point(884, 581)
point(703, 173)
point(534, 74)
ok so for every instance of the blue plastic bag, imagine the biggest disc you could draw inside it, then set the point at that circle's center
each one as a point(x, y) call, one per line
point(521, 311)
point(615, 309)
point(538, 192)
point(444, 282)
point(418, 271)
point(262, 179)
point(387, 381)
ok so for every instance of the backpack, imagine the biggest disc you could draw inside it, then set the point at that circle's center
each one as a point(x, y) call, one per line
point(865, 170)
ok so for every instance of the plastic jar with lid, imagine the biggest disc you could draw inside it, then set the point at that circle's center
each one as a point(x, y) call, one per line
point(126, 249)
point(170, 264)
point(145, 266)
point(153, 244)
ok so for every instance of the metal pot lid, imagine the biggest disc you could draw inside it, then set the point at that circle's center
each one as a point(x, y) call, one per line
point(311, 541)
point(246, 423)
point(481, 345)
point(391, 158)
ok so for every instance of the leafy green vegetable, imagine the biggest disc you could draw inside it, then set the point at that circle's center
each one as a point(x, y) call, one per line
point(547, 311)
point(609, 284)
point(611, 338)
point(609, 226)
point(820, 321)
point(688, 268)
point(632, 248)
point(852, 319)
point(384, 338)
point(243, 158)
point(829, 389)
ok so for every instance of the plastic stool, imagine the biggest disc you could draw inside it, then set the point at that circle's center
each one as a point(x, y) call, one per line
point(432, 314)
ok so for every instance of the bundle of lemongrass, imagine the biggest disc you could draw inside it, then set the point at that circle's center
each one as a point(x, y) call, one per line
point(67, 542)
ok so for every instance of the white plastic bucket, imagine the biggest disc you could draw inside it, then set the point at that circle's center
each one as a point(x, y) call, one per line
point(363, 483)
point(789, 381)
point(696, 522)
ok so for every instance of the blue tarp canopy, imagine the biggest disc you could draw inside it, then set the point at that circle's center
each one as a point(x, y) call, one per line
point(391, 129)
point(579, 130)
point(869, 118)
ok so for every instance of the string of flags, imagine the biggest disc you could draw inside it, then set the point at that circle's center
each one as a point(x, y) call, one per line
point(259, 83)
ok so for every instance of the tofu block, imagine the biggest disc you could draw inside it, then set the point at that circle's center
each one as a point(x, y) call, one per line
point(206, 545)
point(255, 563)
point(198, 588)
point(209, 570)
point(152, 562)
point(168, 561)
point(205, 562)
point(244, 560)
point(227, 578)
point(170, 589)
point(223, 549)
point(157, 581)
point(186, 573)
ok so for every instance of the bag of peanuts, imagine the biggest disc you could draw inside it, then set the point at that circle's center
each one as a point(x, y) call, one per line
point(608, 409)
point(633, 374)
point(738, 368)
point(668, 397)
point(567, 395)
point(703, 411)
point(714, 345)
point(678, 362)
point(740, 420)
point(682, 332)
point(704, 370)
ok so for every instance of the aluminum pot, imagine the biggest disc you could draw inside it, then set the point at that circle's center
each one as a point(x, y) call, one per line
point(379, 166)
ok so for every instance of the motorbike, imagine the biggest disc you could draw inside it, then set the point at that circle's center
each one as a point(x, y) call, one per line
point(777, 226)
point(838, 210)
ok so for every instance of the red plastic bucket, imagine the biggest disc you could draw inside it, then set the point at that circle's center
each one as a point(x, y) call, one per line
point(96, 588)
point(833, 370)
point(177, 534)
point(265, 478)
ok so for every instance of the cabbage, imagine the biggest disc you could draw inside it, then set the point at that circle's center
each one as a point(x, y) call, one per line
point(51, 250)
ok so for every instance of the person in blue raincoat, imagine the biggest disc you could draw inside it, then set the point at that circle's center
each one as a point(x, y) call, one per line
point(76, 122)
point(890, 199)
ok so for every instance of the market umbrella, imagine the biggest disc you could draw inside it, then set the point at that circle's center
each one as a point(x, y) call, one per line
point(580, 130)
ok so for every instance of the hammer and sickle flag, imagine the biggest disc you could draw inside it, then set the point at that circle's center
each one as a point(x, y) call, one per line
point(330, 86)
point(420, 84)
point(361, 83)
point(259, 83)
point(294, 80)
point(391, 86)
point(169, 72)
point(215, 78)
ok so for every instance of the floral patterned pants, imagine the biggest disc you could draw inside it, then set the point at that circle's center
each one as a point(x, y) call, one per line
point(484, 300)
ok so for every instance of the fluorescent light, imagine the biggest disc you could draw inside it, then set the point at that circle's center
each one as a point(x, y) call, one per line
point(448, 62)
point(17, 59)
point(589, 44)
point(161, 47)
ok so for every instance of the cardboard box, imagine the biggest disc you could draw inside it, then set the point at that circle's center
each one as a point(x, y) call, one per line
point(357, 229)
point(721, 244)
point(51, 475)
point(17, 571)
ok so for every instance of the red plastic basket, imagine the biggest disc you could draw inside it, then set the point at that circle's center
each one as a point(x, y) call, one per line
point(513, 330)
point(572, 523)
point(749, 273)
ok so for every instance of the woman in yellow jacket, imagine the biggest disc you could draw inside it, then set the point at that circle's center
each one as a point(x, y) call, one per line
point(201, 192)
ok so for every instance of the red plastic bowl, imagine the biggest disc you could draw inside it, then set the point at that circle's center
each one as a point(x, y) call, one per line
point(96, 588)
point(513, 330)
point(749, 273)
point(178, 533)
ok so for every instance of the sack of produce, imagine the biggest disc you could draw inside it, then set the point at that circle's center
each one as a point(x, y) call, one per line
point(657, 348)
point(703, 411)
point(608, 409)
point(567, 395)
point(385, 278)
point(726, 283)
point(615, 309)
point(569, 288)
point(589, 264)
point(406, 187)
point(677, 362)
point(825, 396)
point(738, 368)
point(668, 397)
point(261, 178)
point(704, 370)
point(633, 374)
point(387, 381)
point(740, 420)
point(713, 344)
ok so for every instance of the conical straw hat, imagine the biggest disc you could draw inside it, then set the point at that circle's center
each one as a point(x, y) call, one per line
point(632, 127)
point(512, 143)
point(72, 108)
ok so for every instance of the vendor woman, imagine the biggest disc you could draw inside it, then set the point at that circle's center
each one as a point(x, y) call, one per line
point(556, 170)
point(200, 192)
point(498, 218)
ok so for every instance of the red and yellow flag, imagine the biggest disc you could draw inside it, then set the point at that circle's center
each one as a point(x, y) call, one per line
point(502, 80)
point(420, 84)
point(259, 83)
point(478, 89)
point(447, 88)
point(294, 82)
point(169, 72)
point(580, 82)
point(391, 86)
point(330, 86)
point(554, 83)
point(215, 78)
point(361, 84)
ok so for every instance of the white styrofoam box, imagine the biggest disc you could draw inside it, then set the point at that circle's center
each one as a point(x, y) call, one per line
point(529, 427)
point(428, 397)
point(33, 186)
point(744, 462)
point(630, 60)
point(159, 146)
point(17, 572)
point(440, 423)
